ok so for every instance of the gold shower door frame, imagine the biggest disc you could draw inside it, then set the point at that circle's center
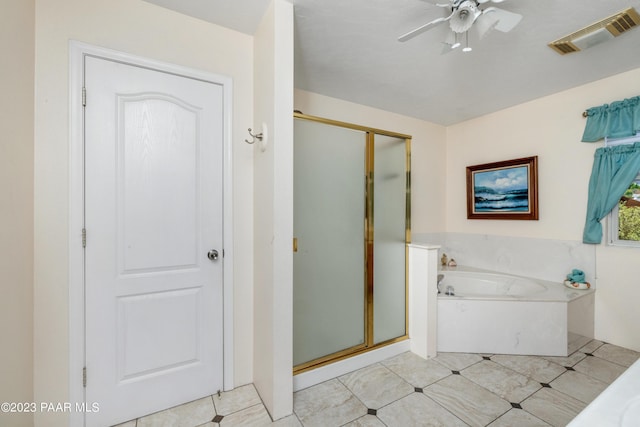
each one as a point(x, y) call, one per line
point(369, 232)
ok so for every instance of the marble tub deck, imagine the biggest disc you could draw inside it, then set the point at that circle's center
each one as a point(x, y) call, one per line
point(452, 389)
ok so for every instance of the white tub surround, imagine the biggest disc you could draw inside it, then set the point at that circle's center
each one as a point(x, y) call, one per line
point(423, 299)
point(546, 259)
point(515, 315)
point(617, 405)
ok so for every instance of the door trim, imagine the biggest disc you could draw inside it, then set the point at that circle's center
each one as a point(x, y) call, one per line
point(77, 53)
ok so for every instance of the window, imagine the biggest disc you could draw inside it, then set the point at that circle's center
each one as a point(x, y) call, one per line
point(624, 219)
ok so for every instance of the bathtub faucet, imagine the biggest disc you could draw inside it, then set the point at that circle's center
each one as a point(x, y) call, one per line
point(450, 291)
point(440, 277)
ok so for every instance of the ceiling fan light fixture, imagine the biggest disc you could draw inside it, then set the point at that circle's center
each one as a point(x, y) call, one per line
point(464, 17)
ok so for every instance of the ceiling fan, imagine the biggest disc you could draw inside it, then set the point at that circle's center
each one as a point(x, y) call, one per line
point(465, 16)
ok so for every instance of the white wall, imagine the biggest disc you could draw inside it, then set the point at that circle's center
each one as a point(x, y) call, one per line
point(142, 29)
point(273, 215)
point(428, 150)
point(16, 207)
point(551, 128)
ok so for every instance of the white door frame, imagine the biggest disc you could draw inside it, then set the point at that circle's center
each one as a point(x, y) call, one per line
point(77, 52)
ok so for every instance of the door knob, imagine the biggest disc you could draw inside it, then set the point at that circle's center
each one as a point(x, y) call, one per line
point(212, 255)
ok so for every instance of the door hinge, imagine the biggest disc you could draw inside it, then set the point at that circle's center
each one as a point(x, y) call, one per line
point(84, 376)
point(84, 237)
point(84, 96)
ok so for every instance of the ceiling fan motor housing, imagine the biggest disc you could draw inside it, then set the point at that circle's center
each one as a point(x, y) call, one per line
point(464, 17)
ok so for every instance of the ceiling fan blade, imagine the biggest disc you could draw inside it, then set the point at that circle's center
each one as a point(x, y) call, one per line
point(441, 3)
point(429, 25)
point(485, 24)
point(506, 20)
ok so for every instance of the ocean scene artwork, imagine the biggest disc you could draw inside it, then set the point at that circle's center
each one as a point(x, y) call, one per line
point(502, 190)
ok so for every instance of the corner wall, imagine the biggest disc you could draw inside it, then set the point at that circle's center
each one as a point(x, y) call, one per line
point(551, 128)
point(273, 219)
point(139, 28)
point(17, 44)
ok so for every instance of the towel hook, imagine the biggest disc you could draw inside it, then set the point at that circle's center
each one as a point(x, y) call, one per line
point(263, 137)
point(257, 136)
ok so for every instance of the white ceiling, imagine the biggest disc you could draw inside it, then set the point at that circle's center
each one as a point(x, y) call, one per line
point(240, 15)
point(349, 50)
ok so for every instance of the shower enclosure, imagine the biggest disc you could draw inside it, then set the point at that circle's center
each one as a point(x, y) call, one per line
point(351, 227)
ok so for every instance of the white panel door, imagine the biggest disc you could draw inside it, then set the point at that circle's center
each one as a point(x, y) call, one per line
point(153, 212)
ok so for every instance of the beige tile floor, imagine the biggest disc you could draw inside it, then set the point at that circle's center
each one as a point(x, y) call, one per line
point(452, 389)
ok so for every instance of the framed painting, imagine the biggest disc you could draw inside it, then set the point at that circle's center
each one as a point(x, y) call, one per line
point(503, 190)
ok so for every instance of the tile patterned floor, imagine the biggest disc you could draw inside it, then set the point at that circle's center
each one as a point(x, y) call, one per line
point(453, 389)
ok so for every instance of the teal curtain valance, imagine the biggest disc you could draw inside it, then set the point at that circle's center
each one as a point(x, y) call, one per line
point(614, 168)
point(616, 120)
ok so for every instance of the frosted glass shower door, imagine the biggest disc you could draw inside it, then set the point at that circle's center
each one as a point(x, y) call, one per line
point(390, 235)
point(329, 263)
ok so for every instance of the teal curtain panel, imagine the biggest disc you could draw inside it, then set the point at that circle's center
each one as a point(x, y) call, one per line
point(614, 168)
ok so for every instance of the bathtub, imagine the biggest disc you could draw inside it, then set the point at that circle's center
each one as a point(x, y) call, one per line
point(617, 405)
point(483, 285)
point(493, 312)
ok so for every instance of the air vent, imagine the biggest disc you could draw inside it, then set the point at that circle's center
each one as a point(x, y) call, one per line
point(599, 32)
